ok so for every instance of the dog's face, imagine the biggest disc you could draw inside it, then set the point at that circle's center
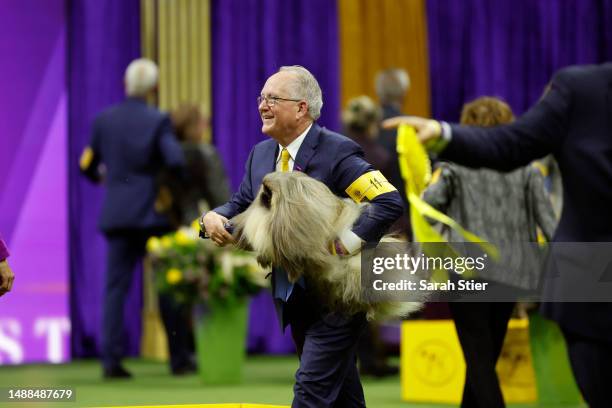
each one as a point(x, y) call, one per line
point(290, 222)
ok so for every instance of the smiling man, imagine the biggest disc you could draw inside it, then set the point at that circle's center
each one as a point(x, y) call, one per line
point(289, 105)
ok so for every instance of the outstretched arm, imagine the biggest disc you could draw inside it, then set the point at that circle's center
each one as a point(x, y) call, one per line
point(537, 133)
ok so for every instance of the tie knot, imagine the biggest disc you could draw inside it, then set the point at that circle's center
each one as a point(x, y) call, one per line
point(285, 160)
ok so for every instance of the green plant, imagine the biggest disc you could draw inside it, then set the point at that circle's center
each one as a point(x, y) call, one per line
point(195, 270)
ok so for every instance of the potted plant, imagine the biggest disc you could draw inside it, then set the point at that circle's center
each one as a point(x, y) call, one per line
point(217, 282)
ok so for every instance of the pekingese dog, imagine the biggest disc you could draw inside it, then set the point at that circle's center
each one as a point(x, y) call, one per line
point(291, 224)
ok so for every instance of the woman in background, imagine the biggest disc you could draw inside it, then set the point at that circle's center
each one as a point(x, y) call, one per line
point(204, 185)
point(361, 120)
point(502, 208)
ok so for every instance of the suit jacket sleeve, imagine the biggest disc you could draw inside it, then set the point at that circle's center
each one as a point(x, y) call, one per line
point(383, 209)
point(91, 156)
point(243, 197)
point(537, 133)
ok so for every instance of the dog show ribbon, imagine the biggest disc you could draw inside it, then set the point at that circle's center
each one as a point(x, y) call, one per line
point(415, 168)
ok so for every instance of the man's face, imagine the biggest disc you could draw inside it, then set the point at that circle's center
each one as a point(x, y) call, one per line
point(280, 118)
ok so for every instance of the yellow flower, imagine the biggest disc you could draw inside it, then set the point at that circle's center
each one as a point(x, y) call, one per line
point(166, 242)
point(182, 238)
point(174, 276)
point(195, 225)
point(153, 245)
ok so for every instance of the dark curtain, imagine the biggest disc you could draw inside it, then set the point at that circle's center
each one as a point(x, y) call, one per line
point(251, 39)
point(103, 37)
point(510, 49)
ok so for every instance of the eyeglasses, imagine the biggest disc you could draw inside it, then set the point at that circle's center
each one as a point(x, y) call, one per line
point(273, 100)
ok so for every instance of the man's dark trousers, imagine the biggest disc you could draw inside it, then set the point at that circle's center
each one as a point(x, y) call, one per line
point(125, 248)
point(326, 343)
point(481, 328)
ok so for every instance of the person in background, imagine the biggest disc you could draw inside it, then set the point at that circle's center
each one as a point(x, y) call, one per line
point(392, 87)
point(502, 209)
point(572, 122)
point(183, 199)
point(361, 121)
point(130, 145)
point(206, 181)
point(6, 274)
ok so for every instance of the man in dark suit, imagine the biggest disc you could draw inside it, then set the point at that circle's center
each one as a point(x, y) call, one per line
point(130, 144)
point(572, 122)
point(289, 104)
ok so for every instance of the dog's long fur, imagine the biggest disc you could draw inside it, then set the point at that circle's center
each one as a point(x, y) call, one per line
point(290, 225)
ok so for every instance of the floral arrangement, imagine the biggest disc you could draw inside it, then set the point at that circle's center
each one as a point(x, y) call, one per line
point(195, 270)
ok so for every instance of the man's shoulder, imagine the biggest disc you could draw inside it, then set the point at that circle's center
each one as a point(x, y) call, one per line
point(584, 72)
point(130, 108)
point(268, 141)
point(265, 145)
point(333, 139)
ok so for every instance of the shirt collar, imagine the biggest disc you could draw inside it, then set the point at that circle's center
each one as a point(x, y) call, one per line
point(294, 146)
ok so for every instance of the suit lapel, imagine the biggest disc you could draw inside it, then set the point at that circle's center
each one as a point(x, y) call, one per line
point(271, 153)
point(265, 164)
point(307, 149)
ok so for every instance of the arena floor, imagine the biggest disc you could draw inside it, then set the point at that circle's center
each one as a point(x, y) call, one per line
point(267, 380)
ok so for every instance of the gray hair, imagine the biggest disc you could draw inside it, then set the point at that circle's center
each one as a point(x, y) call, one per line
point(306, 87)
point(140, 77)
point(392, 84)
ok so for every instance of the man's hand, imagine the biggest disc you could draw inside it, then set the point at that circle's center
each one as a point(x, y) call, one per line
point(428, 130)
point(6, 278)
point(214, 224)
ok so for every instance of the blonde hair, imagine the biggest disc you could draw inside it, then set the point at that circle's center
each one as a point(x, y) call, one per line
point(360, 114)
point(486, 111)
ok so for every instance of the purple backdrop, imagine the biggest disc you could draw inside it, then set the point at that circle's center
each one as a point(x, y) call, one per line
point(103, 37)
point(251, 39)
point(33, 216)
point(509, 48)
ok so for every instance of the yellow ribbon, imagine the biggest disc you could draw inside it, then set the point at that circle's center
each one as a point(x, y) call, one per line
point(415, 169)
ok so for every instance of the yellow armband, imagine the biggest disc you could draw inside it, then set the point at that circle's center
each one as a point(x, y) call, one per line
point(369, 185)
point(86, 158)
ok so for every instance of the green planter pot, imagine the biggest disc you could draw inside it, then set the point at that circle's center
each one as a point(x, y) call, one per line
point(220, 334)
